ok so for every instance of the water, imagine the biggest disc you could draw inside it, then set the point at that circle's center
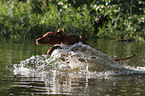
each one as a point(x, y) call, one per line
point(27, 70)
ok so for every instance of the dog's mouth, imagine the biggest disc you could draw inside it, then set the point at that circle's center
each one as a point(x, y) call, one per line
point(39, 42)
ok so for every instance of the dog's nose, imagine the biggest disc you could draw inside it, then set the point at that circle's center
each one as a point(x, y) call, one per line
point(38, 41)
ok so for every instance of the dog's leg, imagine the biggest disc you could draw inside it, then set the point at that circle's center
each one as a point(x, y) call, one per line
point(50, 50)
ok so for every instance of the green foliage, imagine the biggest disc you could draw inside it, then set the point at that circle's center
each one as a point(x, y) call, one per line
point(34, 18)
point(125, 19)
point(96, 18)
point(16, 18)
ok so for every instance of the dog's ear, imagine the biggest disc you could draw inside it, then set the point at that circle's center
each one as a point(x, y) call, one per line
point(62, 30)
point(80, 37)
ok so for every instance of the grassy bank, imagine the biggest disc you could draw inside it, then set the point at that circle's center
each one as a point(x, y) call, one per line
point(95, 18)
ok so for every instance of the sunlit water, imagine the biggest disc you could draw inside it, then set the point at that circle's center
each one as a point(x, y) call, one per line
point(85, 71)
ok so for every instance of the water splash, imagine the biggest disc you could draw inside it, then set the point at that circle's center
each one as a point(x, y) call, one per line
point(79, 60)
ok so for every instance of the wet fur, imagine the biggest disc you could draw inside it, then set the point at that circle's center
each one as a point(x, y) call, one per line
point(52, 38)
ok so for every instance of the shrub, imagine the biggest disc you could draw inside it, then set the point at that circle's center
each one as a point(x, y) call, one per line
point(97, 18)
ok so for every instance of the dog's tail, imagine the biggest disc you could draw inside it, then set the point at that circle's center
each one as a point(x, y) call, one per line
point(123, 59)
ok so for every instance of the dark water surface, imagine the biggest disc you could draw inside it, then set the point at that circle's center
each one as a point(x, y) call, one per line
point(35, 83)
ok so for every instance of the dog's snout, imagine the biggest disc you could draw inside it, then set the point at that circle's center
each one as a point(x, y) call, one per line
point(38, 41)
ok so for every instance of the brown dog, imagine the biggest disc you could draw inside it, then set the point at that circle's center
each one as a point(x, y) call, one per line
point(52, 38)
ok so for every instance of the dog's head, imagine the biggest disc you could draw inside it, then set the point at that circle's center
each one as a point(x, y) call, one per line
point(51, 38)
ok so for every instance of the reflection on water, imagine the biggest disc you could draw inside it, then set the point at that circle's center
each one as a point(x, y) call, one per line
point(26, 71)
